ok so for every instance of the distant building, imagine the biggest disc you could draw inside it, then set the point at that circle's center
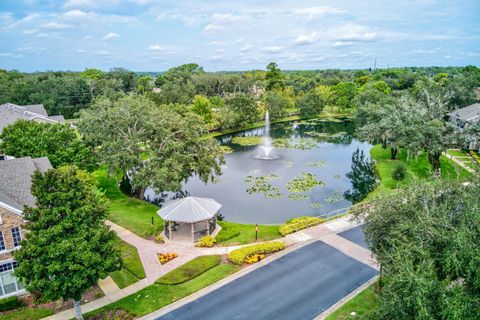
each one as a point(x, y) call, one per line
point(465, 117)
point(16, 182)
point(10, 113)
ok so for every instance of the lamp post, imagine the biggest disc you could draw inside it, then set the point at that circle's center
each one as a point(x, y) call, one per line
point(256, 232)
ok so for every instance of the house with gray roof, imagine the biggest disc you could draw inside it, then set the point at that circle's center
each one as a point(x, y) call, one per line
point(465, 117)
point(10, 113)
point(15, 185)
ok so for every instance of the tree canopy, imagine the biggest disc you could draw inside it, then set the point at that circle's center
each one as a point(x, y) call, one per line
point(59, 142)
point(427, 239)
point(67, 248)
point(158, 146)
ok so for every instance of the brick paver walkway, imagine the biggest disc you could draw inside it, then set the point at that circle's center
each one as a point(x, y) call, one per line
point(148, 251)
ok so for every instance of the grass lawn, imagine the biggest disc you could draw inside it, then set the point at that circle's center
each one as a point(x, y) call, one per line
point(27, 314)
point(235, 233)
point(362, 304)
point(128, 212)
point(457, 153)
point(416, 168)
point(190, 270)
point(157, 296)
point(132, 269)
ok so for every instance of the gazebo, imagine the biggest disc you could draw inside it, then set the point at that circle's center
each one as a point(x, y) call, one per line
point(190, 218)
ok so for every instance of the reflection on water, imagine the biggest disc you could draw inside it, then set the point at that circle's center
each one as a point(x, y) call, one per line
point(329, 159)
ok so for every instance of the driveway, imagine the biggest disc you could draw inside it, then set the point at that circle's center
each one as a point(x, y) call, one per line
point(299, 285)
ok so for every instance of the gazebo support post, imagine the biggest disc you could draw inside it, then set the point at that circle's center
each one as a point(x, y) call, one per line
point(170, 235)
point(208, 227)
point(193, 232)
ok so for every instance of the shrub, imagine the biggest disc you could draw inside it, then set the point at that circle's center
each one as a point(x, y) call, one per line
point(254, 258)
point(189, 270)
point(118, 314)
point(206, 242)
point(166, 257)
point(399, 171)
point(238, 256)
point(10, 303)
point(159, 239)
point(298, 224)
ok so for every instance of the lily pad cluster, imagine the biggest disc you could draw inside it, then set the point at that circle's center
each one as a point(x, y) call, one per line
point(303, 183)
point(336, 197)
point(297, 196)
point(226, 149)
point(300, 144)
point(318, 164)
point(287, 164)
point(247, 141)
point(263, 186)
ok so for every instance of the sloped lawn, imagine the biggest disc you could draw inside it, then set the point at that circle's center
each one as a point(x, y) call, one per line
point(131, 213)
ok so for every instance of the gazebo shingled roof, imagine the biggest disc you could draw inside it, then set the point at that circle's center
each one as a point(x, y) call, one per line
point(190, 210)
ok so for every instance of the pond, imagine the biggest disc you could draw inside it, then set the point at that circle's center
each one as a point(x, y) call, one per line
point(308, 178)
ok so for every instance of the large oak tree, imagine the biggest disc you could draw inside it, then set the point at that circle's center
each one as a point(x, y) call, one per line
point(157, 146)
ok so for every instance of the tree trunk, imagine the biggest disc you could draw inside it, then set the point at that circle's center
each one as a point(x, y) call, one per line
point(393, 153)
point(140, 193)
point(434, 159)
point(77, 310)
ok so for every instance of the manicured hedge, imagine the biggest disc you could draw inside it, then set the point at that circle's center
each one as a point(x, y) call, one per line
point(298, 224)
point(10, 303)
point(238, 256)
point(189, 270)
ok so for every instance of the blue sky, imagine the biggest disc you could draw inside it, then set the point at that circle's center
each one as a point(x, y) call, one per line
point(149, 35)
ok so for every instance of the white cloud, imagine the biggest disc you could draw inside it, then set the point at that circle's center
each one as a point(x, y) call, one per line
point(110, 35)
point(246, 48)
point(157, 47)
point(312, 12)
point(306, 39)
point(221, 20)
point(77, 4)
point(75, 14)
point(55, 26)
point(272, 49)
point(340, 44)
point(30, 31)
point(354, 33)
point(81, 51)
point(102, 53)
point(217, 43)
point(87, 38)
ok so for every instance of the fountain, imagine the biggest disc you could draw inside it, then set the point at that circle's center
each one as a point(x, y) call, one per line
point(266, 149)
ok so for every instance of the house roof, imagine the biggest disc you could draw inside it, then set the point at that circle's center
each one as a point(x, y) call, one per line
point(9, 113)
point(190, 210)
point(468, 113)
point(16, 180)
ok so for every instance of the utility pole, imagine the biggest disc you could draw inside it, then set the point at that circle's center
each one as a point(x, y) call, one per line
point(375, 64)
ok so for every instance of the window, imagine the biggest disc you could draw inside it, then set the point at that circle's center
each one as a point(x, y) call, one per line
point(17, 237)
point(2, 242)
point(9, 284)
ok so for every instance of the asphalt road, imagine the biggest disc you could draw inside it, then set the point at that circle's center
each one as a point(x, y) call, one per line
point(299, 285)
point(355, 235)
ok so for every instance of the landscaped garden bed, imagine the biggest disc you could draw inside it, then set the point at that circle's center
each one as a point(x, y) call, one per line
point(166, 257)
point(298, 224)
point(242, 255)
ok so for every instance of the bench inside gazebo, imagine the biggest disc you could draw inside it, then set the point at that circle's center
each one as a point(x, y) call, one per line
point(190, 218)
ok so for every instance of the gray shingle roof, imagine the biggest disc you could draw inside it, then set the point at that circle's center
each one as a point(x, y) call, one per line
point(468, 113)
point(190, 210)
point(9, 113)
point(16, 180)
